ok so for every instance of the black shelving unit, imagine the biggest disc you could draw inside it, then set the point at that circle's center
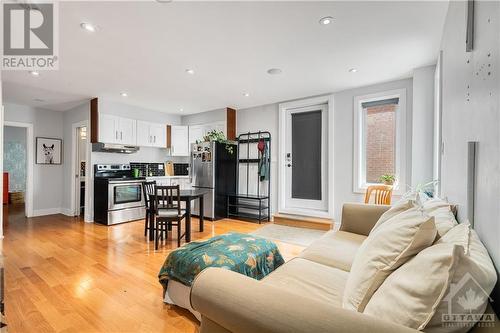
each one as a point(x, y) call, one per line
point(250, 206)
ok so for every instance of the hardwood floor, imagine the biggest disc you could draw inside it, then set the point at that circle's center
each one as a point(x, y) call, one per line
point(64, 275)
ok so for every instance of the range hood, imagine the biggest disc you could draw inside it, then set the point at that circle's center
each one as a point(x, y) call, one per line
point(114, 148)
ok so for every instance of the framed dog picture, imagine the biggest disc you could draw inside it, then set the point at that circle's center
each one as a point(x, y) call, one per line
point(48, 151)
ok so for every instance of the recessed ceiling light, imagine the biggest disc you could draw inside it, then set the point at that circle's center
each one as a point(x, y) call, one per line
point(246, 94)
point(326, 20)
point(123, 94)
point(353, 70)
point(181, 109)
point(35, 73)
point(164, 1)
point(274, 71)
point(190, 71)
point(88, 26)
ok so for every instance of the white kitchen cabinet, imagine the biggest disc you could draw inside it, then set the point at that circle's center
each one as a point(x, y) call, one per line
point(114, 129)
point(151, 134)
point(158, 134)
point(180, 141)
point(196, 133)
point(143, 137)
point(107, 129)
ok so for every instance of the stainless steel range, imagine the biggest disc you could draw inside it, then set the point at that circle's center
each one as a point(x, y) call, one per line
point(118, 195)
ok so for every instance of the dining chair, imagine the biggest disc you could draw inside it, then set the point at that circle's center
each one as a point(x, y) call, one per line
point(148, 188)
point(168, 212)
point(383, 194)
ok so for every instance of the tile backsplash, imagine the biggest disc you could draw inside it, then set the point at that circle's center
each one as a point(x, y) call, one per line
point(154, 169)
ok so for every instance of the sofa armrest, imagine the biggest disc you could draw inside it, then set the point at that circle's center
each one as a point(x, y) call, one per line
point(240, 304)
point(359, 218)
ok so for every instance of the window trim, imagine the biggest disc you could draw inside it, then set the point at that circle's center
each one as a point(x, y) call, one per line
point(359, 160)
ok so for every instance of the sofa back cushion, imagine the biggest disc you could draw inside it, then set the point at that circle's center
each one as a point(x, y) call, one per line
point(456, 269)
point(443, 216)
point(389, 246)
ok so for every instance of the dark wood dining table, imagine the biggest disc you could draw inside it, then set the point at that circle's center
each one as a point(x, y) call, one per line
point(186, 196)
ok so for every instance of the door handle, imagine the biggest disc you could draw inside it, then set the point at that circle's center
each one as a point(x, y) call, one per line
point(116, 135)
point(289, 165)
point(154, 139)
point(121, 135)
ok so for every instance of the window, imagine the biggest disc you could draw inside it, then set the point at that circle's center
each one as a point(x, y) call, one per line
point(379, 140)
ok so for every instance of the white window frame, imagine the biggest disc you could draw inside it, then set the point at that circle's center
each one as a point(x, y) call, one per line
point(359, 163)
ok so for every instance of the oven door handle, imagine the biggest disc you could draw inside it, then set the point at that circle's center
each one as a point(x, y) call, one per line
point(125, 182)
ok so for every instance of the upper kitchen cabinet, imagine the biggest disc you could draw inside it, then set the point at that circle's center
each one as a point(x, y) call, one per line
point(114, 129)
point(151, 134)
point(198, 132)
point(179, 141)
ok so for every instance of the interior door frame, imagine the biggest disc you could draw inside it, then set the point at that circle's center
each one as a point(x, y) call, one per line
point(30, 163)
point(282, 194)
point(74, 150)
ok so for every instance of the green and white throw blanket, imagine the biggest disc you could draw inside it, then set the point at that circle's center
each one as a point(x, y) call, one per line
point(249, 255)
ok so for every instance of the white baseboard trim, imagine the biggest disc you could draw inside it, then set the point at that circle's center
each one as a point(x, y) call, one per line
point(51, 211)
point(66, 212)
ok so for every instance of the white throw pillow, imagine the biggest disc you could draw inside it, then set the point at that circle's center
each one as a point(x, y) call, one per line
point(443, 216)
point(416, 295)
point(396, 209)
point(389, 246)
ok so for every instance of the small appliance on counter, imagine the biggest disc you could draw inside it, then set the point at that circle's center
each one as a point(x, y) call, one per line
point(181, 169)
point(118, 194)
point(213, 167)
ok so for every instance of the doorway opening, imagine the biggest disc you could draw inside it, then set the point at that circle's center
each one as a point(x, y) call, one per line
point(80, 169)
point(18, 171)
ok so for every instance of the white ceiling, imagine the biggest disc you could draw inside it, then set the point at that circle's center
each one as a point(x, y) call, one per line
point(143, 48)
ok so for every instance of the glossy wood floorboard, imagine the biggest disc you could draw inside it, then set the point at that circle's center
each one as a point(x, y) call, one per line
point(64, 275)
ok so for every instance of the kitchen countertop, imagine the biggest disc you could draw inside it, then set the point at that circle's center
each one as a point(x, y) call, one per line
point(167, 177)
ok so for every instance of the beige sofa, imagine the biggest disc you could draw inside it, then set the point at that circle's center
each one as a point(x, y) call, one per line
point(303, 295)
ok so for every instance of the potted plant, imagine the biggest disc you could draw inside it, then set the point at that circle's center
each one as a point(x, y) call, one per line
point(388, 179)
point(219, 136)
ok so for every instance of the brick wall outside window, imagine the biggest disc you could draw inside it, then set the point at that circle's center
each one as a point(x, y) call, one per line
point(380, 141)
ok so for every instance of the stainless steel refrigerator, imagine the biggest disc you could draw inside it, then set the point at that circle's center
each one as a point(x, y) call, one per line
point(213, 167)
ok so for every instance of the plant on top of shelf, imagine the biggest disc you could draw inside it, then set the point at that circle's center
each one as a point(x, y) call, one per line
point(219, 136)
point(388, 179)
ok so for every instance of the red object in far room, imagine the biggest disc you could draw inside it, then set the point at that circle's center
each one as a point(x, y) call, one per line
point(5, 188)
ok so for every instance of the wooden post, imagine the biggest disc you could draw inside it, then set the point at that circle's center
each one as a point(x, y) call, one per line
point(94, 121)
point(231, 123)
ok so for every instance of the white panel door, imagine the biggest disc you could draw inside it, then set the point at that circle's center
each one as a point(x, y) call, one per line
point(127, 131)
point(143, 135)
point(108, 132)
point(306, 159)
point(158, 134)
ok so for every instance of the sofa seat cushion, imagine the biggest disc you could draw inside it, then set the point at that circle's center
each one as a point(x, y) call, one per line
point(310, 279)
point(387, 247)
point(335, 249)
point(456, 269)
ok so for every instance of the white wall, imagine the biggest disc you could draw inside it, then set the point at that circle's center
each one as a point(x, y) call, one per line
point(265, 118)
point(471, 101)
point(48, 179)
point(423, 122)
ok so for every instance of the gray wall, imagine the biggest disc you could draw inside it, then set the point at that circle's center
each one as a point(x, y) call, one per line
point(47, 179)
point(70, 117)
point(267, 118)
point(472, 114)
point(204, 117)
point(423, 125)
